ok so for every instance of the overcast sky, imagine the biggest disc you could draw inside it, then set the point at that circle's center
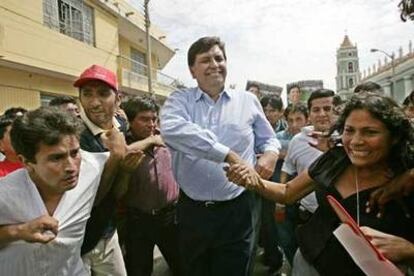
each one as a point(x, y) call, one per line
point(280, 41)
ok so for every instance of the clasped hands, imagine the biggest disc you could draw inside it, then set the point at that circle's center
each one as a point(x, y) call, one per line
point(244, 175)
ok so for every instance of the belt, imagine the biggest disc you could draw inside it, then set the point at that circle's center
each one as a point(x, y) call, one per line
point(154, 212)
point(210, 203)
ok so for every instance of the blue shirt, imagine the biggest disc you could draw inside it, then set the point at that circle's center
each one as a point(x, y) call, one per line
point(284, 138)
point(200, 133)
point(281, 124)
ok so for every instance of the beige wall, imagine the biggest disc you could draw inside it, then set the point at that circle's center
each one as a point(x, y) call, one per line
point(18, 97)
point(49, 61)
point(20, 88)
point(26, 40)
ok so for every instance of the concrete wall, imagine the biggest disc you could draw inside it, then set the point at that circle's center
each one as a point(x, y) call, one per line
point(25, 40)
point(20, 88)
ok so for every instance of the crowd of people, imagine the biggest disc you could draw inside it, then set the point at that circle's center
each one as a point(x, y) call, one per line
point(89, 186)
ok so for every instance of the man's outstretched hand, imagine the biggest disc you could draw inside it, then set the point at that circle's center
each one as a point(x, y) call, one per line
point(398, 187)
point(242, 173)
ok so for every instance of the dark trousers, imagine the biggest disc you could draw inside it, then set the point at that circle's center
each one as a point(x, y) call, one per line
point(216, 239)
point(279, 233)
point(273, 257)
point(286, 232)
point(143, 232)
point(257, 222)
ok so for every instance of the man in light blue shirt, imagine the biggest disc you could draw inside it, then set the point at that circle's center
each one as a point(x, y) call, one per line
point(206, 127)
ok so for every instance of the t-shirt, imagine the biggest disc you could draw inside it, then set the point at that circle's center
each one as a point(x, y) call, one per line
point(20, 202)
point(315, 238)
point(152, 185)
point(299, 157)
point(101, 224)
point(7, 167)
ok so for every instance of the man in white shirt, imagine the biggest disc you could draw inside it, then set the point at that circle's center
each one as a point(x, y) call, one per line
point(44, 207)
point(301, 154)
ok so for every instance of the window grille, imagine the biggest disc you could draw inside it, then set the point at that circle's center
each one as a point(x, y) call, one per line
point(70, 17)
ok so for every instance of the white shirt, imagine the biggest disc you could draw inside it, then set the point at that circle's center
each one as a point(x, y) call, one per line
point(94, 128)
point(20, 202)
point(299, 157)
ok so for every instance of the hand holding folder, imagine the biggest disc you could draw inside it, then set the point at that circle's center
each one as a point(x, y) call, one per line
point(358, 246)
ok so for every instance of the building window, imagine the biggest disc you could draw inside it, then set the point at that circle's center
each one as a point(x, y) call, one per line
point(351, 83)
point(45, 98)
point(350, 54)
point(350, 67)
point(70, 17)
point(138, 62)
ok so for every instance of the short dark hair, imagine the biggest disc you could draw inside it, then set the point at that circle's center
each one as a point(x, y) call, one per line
point(250, 85)
point(14, 112)
point(274, 101)
point(45, 125)
point(368, 86)
point(4, 123)
point(294, 86)
point(61, 100)
point(337, 100)
point(320, 93)
point(138, 104)
point(202, 45)
point(299, 107)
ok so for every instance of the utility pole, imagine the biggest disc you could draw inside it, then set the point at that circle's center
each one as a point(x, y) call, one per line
point(392, 57)
point(148, 36)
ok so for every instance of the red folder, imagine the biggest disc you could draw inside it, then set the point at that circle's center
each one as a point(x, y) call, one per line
point(371, 261)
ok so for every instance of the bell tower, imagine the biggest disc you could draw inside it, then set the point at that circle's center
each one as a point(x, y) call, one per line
point(347, 65)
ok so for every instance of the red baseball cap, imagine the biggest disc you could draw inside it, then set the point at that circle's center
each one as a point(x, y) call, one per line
point(96, 72)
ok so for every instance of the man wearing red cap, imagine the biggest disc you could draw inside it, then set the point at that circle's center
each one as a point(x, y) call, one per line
point(98, 95)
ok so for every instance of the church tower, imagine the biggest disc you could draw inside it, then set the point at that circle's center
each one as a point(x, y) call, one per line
point(347, 64)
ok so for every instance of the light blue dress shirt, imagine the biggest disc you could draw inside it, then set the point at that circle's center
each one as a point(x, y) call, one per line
point(200, 133)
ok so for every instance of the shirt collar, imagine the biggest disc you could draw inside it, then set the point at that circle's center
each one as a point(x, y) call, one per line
point(200, 93)
point(96, 130)
point(307, 130)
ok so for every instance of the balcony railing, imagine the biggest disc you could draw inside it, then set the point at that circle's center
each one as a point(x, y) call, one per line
point(135, 75)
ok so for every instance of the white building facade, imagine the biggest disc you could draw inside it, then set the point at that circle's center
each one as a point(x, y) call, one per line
point(395, 75)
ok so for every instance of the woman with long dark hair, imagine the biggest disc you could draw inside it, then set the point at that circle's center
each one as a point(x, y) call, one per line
point(376, 147)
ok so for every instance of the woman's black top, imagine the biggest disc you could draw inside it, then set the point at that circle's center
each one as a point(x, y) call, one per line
point(315, 238)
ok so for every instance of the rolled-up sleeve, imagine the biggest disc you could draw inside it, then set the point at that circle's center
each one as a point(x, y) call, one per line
point(265, 137)
point(181, 134)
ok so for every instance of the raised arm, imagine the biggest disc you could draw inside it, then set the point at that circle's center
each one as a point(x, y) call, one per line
point(141, 145)
point(42, 229)
point(265, 142)
point(114, 141)
point(128, 166)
